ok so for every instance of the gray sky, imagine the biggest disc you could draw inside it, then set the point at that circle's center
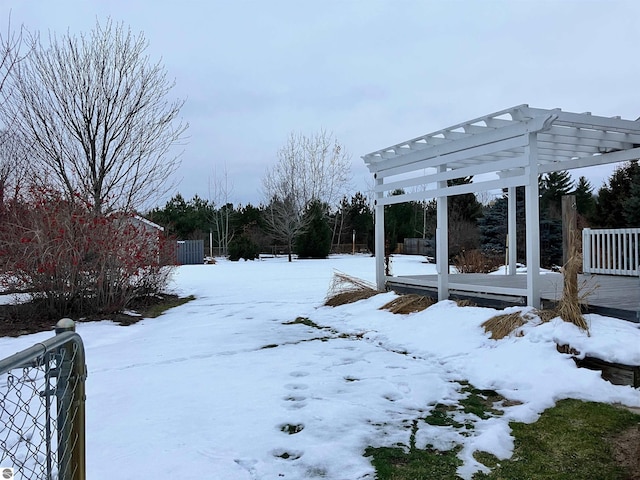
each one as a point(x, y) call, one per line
point(372, 72)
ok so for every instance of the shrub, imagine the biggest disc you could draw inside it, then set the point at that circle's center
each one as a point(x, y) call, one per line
point(315, 241)
point(74, 261)
point(243, 247)
point(474, 261)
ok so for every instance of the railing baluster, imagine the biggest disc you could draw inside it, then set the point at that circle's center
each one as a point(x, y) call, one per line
point(611, 251)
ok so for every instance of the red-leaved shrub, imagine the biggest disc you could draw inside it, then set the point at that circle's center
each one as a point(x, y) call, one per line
point(74, 261)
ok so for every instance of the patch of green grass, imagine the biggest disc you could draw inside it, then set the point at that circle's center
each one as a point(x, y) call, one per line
point(393, 463)
point(310, 323)
point(158, 309)
point(304, 321)
point(440, 417)
point(572, 440)
point(480, 402)
point(569, 441)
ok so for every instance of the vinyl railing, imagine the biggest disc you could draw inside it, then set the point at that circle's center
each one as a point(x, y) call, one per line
point(611, 251)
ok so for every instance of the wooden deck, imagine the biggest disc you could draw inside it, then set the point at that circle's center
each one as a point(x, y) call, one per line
point(614, 296)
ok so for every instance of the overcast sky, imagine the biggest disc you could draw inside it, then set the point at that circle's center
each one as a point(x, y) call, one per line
point(373, 72)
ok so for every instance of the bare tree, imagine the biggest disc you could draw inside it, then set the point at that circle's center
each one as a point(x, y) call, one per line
point(13, 165)
point(94, 110)
point(308, 168)
point(12, 155)
point(11, 54)
point(220, 190)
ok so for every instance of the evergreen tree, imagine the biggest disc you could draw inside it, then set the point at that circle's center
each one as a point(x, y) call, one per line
point(401, 221)
point(493, 226)
point(315, 240)
point(465, 207)
point(616, 200)
point(553, 186)
point(360, 218)
point(585, 202)
point(249, 220)
point(463, 212)
point(631, 205)
point(243, 246)
point(185, 219)
point(550, 240)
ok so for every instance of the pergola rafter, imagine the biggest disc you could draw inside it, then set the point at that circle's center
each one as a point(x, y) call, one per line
point(505, 149)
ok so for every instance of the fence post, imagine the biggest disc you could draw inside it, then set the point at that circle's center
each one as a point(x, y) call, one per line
point(72, 372)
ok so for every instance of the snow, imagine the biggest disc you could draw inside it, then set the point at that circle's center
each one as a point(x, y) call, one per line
point(212, 389)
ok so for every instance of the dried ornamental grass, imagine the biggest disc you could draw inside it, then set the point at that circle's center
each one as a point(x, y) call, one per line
point(569, 306)
point(546, 315)
point(465, 303)
point(347, 289)
point(501, 326)
point(408, 304)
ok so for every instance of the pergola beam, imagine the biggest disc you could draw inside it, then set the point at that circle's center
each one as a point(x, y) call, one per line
point(593, 160)
point(475, 169)
point(470, 141)
point(450, 191)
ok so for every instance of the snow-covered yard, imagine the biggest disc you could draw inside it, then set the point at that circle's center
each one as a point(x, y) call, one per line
point(226, 387)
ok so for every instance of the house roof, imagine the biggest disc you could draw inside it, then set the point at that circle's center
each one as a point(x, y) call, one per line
point(515, 144)
point(149, 223)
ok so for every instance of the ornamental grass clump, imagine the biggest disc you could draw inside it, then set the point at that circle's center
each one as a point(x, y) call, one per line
point(347, 289)
point(408, 304)
point(503, 325)
point(573, 295)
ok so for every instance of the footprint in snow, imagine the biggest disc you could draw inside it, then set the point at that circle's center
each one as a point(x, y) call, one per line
point(296, 386)
point(287, 454)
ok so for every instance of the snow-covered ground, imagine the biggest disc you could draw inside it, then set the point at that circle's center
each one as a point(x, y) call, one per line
point(215, 388)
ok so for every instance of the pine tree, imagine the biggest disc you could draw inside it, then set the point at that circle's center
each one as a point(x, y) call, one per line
point(615, 205)
point(315, 241)
point(360, 218)
point(585, 202)
point(463, 212)
point(631, 205)
point(493, 226)
point(399, 221)
point(553, 186)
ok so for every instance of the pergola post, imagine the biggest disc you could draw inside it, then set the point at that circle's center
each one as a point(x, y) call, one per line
point(379, 237)
point(442, 241)
point(512, 239)
point(533, 223)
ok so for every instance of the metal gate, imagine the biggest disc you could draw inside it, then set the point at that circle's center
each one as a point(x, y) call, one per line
point(42, 402)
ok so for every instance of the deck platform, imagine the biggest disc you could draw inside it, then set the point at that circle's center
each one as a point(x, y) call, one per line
point(610, 295)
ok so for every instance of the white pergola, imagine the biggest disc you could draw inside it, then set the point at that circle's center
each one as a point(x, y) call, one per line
point(506, 149)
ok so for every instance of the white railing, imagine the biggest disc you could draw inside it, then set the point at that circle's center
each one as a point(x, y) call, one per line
point(611, 251)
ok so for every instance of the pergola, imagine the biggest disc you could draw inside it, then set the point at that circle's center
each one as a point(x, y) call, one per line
point(506, 149)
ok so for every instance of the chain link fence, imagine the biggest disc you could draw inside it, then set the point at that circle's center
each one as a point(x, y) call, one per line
point(42, 409)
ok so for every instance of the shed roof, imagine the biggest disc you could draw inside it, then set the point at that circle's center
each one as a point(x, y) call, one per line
point(501, 143)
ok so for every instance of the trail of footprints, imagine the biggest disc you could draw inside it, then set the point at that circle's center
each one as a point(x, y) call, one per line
point(295, 399)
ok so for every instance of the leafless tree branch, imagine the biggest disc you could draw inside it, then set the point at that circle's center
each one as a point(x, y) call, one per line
point(315, 168)
point(95, 112)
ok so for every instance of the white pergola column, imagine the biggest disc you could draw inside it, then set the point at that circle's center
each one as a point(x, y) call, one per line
point(533, 223)
point(379, 237)
point(512, 230)
point(442, 241)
